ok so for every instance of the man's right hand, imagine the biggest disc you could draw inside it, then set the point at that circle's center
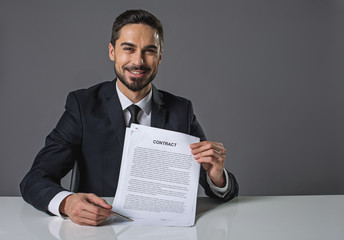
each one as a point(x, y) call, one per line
point(86, 208)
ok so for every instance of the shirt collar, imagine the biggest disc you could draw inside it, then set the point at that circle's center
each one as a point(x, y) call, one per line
point(145, 104)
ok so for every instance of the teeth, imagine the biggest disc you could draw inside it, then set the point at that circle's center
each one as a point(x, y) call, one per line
point(136, 72)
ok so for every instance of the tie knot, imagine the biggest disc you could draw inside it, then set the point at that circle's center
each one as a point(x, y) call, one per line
point(134, 110)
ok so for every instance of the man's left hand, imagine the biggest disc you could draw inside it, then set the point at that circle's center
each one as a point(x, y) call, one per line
point(212, 156)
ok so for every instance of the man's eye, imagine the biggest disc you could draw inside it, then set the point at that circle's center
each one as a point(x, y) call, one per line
point(151, 50)
point(128, 49)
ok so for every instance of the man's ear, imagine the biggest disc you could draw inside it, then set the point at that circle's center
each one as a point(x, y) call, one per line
point(111, 52)
point(160, 56)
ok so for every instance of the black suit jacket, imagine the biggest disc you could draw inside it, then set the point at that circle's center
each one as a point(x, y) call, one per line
point(91, 132)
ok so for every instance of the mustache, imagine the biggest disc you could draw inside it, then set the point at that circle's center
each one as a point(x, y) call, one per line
point(134, 67)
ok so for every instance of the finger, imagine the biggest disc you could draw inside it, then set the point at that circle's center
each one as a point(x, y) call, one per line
point(196, 145)
point(214, 154)
point(208, 160)
point(206, 166)
point(85, 217)
point(99, 201)
point(211, 161)
point(97, 210)
point(87, 221)
point(92, 216)
point(219, 148)
point(203, 146)
point(199, 144)
point(208, 145)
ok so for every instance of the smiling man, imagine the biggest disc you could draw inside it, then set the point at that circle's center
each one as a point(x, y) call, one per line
point(137, 54)
point(91, 130)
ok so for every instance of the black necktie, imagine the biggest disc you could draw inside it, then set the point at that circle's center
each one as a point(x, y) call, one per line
point(134, 110)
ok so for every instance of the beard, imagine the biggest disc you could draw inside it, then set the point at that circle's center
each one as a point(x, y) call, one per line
point(136, 84)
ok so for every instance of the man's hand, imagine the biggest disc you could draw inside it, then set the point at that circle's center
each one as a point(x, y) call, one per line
point(86, 209)
point(212, 156)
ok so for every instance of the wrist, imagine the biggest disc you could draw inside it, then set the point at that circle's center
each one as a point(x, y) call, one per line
point(219, 182)
point(63, 205)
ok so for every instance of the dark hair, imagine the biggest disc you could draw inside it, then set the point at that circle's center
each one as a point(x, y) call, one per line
point(136, 16)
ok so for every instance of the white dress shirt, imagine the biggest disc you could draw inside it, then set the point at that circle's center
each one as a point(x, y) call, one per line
point(143, 118)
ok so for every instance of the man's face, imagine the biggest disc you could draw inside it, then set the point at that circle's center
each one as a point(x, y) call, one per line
point(137, 54)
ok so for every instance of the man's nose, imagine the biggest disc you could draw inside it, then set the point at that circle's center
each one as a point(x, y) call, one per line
point(138, 58)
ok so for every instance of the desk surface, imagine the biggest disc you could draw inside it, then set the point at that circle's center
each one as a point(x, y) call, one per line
point(278, 217)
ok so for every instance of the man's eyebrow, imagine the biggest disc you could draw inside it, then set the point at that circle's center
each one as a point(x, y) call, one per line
point(128, 44)
point(151, 46)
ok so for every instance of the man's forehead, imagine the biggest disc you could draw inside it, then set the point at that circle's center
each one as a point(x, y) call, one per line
point(138, 33)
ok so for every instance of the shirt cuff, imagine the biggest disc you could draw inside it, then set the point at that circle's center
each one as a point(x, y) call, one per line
point(54, 204)
point(220, 192)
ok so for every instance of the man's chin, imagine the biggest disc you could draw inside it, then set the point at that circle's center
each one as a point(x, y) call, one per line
point(135, 85)
point(134, 80)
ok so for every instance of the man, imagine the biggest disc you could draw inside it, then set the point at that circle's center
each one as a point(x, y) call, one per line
point(91, 130)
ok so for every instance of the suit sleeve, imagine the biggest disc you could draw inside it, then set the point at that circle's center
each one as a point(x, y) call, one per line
point(196, 130)
point(56, 159)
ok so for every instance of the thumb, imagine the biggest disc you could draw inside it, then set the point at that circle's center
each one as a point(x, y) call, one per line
point(206, 166)
point(99, 201)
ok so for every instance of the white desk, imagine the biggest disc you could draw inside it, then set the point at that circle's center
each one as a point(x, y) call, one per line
point(286, 217)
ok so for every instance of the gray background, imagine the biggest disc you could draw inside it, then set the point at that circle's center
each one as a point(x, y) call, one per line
point(265, 78)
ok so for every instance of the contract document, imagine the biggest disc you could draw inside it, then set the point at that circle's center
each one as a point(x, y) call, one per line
point(158, 180)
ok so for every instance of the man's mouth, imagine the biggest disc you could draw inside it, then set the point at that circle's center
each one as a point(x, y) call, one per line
point(137, 71)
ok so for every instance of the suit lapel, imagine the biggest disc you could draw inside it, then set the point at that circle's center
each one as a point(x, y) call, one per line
point(114, 110)
point(159, 113)
point(113, 107)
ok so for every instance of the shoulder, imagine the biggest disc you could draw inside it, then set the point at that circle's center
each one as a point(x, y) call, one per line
point(93, 93)
point(169, 99)
point(89, 98)
point(95, 90)
point(177, 105)
point(168, 95)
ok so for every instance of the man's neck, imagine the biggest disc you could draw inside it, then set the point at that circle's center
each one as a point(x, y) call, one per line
point(135, 97)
